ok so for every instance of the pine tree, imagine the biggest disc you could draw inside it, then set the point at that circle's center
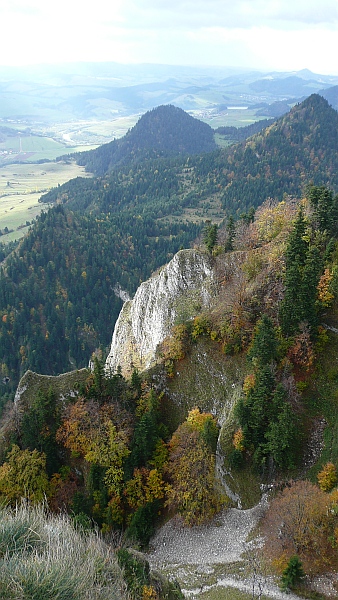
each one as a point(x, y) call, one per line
point(303, 267)
point(309, 288)
point(210, 236)
point(263, 349)
point(297, 244)
point(325, 208)
point(281, 433)
point(293, 574)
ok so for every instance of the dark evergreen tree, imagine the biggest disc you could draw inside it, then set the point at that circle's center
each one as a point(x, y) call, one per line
point(146, 434)
point(281, 434)
point(325, 209)
point(263, 350)
point(142, 524)
point(293, 574)
point(253, 412)
point(210, 236)
point(268, 422)
point(265, 416)
point(38, 428)
point(310, 279)
point(303, 268)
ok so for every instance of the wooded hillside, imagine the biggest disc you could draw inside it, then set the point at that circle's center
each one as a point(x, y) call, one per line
point(163, 131)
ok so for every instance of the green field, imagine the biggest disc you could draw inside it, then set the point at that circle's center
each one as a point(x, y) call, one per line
point(231, 118)
point(104, 130)
point(21, 186)
point(20, 146)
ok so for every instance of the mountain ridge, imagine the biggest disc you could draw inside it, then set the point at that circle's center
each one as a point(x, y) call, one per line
point(297, 149)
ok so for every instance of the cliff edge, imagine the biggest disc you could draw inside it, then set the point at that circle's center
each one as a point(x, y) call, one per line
point(176, 293)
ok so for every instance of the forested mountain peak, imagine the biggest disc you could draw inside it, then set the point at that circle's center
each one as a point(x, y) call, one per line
point(314, 109)
point(298, 148)
point(163, 131)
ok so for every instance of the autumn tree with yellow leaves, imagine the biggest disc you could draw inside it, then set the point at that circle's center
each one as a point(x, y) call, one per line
point(191, 469)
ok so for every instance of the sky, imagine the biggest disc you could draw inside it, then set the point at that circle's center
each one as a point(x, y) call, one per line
point(280, 35)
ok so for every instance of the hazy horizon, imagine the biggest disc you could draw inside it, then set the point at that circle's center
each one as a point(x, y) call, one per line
point(256, 34)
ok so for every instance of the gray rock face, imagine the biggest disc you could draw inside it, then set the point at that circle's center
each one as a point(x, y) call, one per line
point(176, 293)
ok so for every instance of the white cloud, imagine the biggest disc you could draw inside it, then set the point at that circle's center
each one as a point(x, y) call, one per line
point(280, 34)
point(231, 13)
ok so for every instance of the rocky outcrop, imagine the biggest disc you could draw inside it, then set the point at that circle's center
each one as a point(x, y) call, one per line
point(64, 387)
point(176, 293)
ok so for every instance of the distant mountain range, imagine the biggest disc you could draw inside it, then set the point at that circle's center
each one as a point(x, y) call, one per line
point(57, 93)
point(298, 148)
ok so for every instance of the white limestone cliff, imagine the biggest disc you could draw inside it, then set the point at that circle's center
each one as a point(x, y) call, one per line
point(176, 293)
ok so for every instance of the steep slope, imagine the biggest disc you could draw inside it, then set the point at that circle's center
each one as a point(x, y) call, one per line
point(299, 148)
point(65, 273)
point(177, 292)
point(163, 131)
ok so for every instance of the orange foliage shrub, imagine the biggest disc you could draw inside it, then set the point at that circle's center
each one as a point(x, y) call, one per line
point(249, 383)
point(299, 521)
point(302, 352)
point(325, 296)
point(62, 490)
point(238, 440)
point(174, 347)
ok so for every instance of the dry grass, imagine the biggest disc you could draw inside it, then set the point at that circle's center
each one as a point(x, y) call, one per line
point(43, 557)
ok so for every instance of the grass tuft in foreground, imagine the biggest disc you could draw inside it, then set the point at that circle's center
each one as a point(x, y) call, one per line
point(43, 557)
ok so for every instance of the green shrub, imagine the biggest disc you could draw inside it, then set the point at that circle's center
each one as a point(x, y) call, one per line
point(136, 570)
point(141, 527)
